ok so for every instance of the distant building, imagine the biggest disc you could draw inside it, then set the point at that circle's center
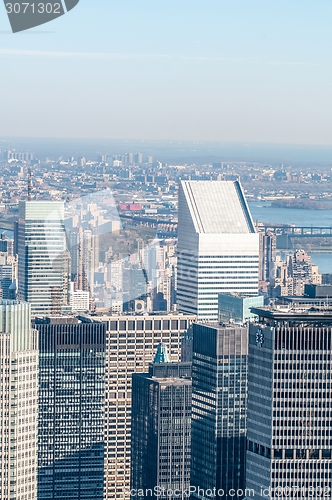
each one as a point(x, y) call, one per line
point(138, 158)
point(267, 256)
point(18, 402)
point(41, 256)
point(71, 409)
point(294, 273)
point(218, 247)
point(14, 155)
point(161, 427)
point(219, 404)
point(237, 308)
point(79, 300)
point(323, 292)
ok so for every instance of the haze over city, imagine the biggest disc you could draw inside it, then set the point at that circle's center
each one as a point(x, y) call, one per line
point(219, 71)
point(165, 250)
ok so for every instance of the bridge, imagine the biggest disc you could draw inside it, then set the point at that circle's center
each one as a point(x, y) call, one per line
point(296, 231)
point(166, 228)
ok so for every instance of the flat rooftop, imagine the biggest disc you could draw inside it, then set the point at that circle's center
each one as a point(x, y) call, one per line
point(298, 313)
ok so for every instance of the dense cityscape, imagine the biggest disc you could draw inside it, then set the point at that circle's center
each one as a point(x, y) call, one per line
point(152, 331)
point(165, 250)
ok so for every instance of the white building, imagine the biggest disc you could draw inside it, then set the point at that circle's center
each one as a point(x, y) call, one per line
point(218, 247)
point(18, 402)
point(79, 300)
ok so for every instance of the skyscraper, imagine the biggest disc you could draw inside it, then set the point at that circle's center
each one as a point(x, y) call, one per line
point(161, 429)
point(219, 399)
point(289, 403)
point(218, 247)
point(41, 256)
point(71, 409)
point(18, 402)
point(131, 343)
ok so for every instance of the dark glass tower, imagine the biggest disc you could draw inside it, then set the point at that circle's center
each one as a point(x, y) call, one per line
point(71, 409)
point(161, 420)
point(219, 398)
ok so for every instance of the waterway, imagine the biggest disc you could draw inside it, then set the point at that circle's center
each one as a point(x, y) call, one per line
point(8, 232)
point(264, 212)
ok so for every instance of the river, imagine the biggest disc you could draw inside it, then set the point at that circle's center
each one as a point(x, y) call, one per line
point(264, 212)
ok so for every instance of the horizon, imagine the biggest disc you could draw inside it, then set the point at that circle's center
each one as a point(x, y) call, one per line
point(252, 73)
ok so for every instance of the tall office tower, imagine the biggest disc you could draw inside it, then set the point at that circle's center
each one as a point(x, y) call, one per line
point(267, 255)
point(135, 285)
point(18, 402)
point(131, 344)
point(161, 429)
point(41, 255)
point(71, 409)
point(289, 403)
point(84, 252)
point(219, 402)
point(138, 158)
point(218, 247)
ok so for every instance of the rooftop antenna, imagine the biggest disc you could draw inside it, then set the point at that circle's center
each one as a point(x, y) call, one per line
point(29, 184)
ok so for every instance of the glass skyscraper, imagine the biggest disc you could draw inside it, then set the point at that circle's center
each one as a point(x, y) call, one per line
point(71, 409)
point(218, 247)
point(41, 256)
point(219, 399)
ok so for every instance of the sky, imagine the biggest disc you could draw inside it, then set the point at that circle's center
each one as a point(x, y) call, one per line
point(203, 70)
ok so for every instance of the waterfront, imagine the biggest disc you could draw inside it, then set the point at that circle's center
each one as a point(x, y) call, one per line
point(264, 212)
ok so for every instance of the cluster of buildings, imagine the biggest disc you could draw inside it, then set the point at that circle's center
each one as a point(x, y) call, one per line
point(151, 185)
point(193, 388)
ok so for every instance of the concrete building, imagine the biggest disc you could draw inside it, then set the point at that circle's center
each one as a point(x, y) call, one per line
point(289, 438)
point(294, 273)
point(218, 247)
point(131, 344)
point(219, 403)
point(18, 402)
point(161, 428)
point(41, 256)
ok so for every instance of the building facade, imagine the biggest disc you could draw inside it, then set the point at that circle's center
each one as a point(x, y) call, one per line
point(18, 402)
point(218, 247)
point(71, 409)
point(131, 343)
point(41, 256)
point(237, 308)
point(219, 403)
point(289, 403)
point(161, 431)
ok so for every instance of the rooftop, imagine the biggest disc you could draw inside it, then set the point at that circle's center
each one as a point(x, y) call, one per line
point(305, 313)
point(218, 207)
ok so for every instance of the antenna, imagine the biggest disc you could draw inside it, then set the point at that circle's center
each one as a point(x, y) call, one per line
point(29, 184)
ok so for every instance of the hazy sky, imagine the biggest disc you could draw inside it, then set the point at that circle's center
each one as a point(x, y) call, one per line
point(226, 70)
